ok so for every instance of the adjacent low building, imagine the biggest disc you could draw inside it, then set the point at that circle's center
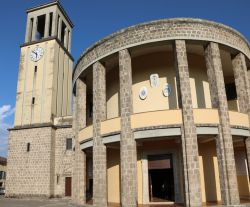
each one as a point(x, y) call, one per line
point(3, 166)
point(160, 114)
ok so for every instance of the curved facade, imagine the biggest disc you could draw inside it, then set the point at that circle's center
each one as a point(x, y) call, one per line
point(161, 114)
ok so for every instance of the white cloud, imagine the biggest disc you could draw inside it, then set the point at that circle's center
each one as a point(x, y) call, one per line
point(5, 111)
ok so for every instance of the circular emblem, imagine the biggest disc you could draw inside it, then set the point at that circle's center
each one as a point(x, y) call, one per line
point(166, 90)
point(143, 93)
point(154, 80)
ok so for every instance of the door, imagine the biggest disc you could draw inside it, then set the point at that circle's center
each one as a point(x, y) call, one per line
point(161, 178)
point(68, 186)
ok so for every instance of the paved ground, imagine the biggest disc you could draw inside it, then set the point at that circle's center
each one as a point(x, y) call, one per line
point(6, 202)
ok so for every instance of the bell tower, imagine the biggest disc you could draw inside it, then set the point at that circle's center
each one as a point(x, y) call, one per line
point(39, 159)
point(45, 71)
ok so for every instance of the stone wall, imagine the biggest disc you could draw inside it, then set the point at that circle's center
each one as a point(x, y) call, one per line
point(29, 172)
point(63, 160)
point(161, 30)
point(35, 173)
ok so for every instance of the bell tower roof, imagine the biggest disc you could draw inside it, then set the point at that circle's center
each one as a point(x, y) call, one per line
point(48, 21)
point(49, 4)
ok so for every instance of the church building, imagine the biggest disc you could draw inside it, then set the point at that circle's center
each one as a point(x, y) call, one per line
point(155, 114)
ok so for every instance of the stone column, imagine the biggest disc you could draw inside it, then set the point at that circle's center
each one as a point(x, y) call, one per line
point(79, 122)
point(99, 149)
point(65, 38)
point(28, 30)
point(241, 82)
point(34, 29)
point(127, 144)
point(243, 91)
point(224, 142)
point(47, 22)
point(54, 24)
point(59, 28)
point(189, 136)
point(247, 144)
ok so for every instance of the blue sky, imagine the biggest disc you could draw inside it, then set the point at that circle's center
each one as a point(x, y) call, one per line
point(93, 20)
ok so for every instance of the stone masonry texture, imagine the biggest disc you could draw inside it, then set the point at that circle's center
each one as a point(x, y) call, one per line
point(243, 91)
point(79, 170)
point(241, 82)
point(219, 138)
point(40, 167)
point(99, 149)
point(166, 29)
point(35, 173)
point(189, 140)
point(127, 144)
point(63, 160)
point(225, 142)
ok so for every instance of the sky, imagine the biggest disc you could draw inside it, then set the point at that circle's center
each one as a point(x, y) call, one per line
point(93, 20)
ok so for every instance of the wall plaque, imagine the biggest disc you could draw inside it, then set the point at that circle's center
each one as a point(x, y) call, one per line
point(154, 80)
point(166, 90)
point(143, 93)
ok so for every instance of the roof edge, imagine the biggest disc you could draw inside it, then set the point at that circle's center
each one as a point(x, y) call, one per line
point(178, 19)
point(52, 3)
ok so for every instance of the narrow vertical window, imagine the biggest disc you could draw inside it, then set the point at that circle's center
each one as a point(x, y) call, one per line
point(28, 147)
point(58, 19)
point(40, 27)
point(68, 40)
point(68, 144)
point(31, 28)
point(33, 100)
point(63, 32)
point(50, 23)
point(35, 69)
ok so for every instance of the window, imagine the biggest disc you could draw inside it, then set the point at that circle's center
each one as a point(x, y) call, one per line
point(33, 100)
point(90, 110)
point(50, 23)
point(63, 32)
point(231, 91)
point(57, 179)
point(69, 144)
point(35, 69)
point(28, 147)
point(40, 27)
point(31, 28)
point(1, 175)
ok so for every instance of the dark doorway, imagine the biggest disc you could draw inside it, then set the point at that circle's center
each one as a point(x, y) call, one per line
point(68, 186)
point(161, 178)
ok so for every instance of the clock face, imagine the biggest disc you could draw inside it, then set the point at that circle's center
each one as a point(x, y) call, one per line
point(36, 54)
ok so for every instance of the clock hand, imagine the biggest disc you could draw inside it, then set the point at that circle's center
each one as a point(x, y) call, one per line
point(34, 53)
